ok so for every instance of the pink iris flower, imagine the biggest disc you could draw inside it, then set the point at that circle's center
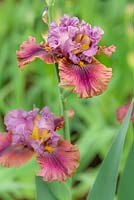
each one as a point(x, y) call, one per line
point(34, 133)
point(122, 111)
point(74, 45)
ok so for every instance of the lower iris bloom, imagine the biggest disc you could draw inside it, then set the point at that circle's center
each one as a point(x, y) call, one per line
point(74, 45)
point(34, 133)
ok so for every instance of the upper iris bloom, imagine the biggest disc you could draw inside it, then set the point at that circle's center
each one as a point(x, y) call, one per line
point(74, 45)
point(32, 133)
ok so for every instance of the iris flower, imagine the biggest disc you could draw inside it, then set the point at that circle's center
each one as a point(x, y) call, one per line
point(34, 133)
point(122, 111)
point(74, 45)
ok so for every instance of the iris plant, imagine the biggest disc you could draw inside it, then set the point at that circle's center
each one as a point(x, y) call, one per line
point(74, 45)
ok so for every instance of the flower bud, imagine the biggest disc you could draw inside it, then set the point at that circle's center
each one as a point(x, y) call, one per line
point(50, 2)
point(45, 15)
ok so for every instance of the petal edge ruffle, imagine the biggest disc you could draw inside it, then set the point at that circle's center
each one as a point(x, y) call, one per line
point(12, 155)
point(106, 50)
point(30, 50)
point(60, 164)
point(88, 81)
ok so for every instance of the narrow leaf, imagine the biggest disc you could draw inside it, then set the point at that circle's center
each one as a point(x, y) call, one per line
point(105, 183)
point(52, 191)
point(126, 186)
point(43, 191)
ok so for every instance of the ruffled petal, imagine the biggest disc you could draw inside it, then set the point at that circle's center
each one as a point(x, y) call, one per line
point(46, 120)
point(59, 164)
point(87, 81)
point(106, 50)
point(21, 124)
point(11, 156)
point(122, 111)
point(58, 122)
point(30, 50)
point(5, 141)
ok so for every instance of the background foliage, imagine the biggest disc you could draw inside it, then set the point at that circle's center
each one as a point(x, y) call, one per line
point(94, 124)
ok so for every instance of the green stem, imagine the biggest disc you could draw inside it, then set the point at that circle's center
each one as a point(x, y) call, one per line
point(59, 90)
point(63, 111)
point(66, 125)
point(49, 14)
point(62, 99)
point(63, 107)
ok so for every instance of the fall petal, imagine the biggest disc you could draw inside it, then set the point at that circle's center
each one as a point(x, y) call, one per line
point(30, 50)
point(5, 141)
point(106, 50)
point(88, 81)
point(122, 111)
point(10, 155)
point(60, 164)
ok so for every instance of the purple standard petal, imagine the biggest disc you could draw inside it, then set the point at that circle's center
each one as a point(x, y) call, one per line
point(74, 40)
point(43, 132)
point(66, 21)
point(84, 28)
point(54, 140)
point(20, 123)
point(60, 39)
point(46, 120)
point(96, 34)
point(90, 52)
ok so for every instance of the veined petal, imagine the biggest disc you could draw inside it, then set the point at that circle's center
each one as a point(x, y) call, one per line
point(87, 81)
point(106, 50)
point(13, 155)
point(58, 122)
point(5, 141)
point(30, 50)
point(122, 111)
point(59, 164)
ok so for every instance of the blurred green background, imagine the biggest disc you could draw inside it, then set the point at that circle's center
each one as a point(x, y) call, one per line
point(94, 124)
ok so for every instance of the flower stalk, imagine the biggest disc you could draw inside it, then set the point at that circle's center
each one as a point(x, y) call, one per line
point(72, 46)
point(62, 98)
point(63, 107)
point(66, 119)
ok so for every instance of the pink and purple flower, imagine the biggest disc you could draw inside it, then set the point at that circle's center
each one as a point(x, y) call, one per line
point(74, 45)
point(34, 133)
